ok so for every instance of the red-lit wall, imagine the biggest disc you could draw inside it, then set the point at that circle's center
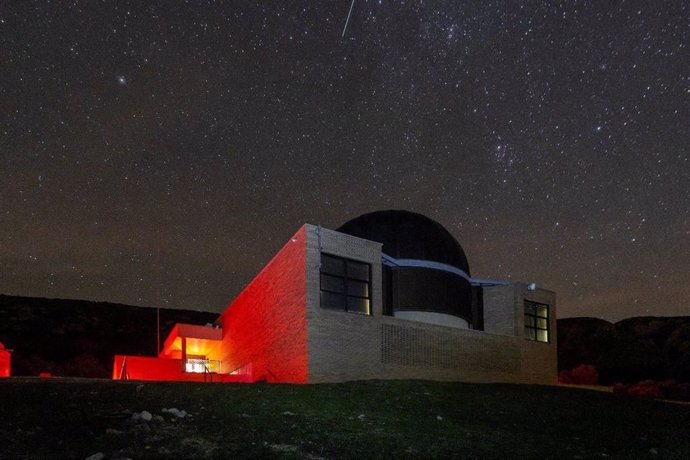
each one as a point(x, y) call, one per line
point(266, 325)
point(4, 363)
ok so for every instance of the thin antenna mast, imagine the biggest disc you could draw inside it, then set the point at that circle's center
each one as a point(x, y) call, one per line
point(158, 330)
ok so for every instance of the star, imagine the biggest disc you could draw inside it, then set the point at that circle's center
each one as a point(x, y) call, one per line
point(220, 135)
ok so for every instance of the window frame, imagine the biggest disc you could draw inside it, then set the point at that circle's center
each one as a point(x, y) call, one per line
point(349, 278)
point(535, 317)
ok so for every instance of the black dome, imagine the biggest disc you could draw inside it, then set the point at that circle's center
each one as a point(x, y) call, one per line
point(408, 235)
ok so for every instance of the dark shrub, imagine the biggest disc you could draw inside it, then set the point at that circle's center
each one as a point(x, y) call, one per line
point(584, 374)
point(645, 389)
point(667, 389)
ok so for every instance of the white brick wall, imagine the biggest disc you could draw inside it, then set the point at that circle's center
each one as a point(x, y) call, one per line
point(347, 346)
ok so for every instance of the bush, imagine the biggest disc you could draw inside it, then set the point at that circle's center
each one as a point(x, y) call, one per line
point(645, 389)
point(667, 389)
point(584, 374)
point(85, 365)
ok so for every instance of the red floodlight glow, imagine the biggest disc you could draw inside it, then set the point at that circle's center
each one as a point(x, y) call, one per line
point(262, 335)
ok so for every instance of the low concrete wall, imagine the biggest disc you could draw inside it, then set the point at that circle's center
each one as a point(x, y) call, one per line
point(165, 369)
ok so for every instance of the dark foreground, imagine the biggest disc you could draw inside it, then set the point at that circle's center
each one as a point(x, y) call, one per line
point(55, 418)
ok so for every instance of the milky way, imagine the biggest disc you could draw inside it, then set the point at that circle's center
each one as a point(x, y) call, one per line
point(159, 153)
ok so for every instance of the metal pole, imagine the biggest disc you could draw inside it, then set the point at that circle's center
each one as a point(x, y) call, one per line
point(158, 331)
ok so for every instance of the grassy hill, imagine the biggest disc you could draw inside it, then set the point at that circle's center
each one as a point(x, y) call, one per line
point(49, 418)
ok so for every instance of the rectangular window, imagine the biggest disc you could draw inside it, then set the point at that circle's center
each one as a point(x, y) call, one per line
point(345, 284)
point(536, 321)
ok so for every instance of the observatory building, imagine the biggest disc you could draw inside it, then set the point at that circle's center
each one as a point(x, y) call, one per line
point(388, 295)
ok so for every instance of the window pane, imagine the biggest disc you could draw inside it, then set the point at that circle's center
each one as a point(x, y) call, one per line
point(332, 265)
point(543, 311)
point(357, 270)
point(345, 284)
point(358, 305)
point(529, 308)
point(542, 336)
point(542, 323)
point(332, 283)
point(331, 300)
point(530, 333)
point(358, 288)
point(529, 321)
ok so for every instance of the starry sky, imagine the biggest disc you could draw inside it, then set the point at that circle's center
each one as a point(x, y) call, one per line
point(160, 153)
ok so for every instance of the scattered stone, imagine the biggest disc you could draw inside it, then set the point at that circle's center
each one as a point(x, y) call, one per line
point(438, 417)
point(113, 432)
point(653, 451)
point(361, 417)
point(312, 456)
point(284, 448)
point(158, 418)
point(143, 415)
point(143, 426)
point(176, 412)
point(203, 447)
point(287, 412)
point(96, 456)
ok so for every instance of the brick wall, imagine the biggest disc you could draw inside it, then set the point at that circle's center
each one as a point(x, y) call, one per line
point(347, 346)
point(540, 360)
point(500, 310)
point(265, 326)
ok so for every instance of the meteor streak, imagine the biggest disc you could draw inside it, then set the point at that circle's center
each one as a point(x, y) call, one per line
point(348, 18)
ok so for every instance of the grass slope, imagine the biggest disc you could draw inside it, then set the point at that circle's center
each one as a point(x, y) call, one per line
point(76, 418)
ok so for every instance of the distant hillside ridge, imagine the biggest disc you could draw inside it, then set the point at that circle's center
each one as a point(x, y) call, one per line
point(631, 350)
point(79, 338)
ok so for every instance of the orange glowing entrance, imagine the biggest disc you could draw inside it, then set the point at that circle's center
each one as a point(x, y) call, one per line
point(184, 357)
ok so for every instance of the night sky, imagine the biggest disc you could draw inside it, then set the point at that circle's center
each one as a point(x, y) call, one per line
point(160, 153)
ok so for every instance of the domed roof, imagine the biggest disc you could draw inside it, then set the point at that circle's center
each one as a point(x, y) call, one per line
point(408, 235)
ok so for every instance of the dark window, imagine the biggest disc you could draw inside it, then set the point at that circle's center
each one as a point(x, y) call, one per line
point(345, 284)
point(536, 321)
